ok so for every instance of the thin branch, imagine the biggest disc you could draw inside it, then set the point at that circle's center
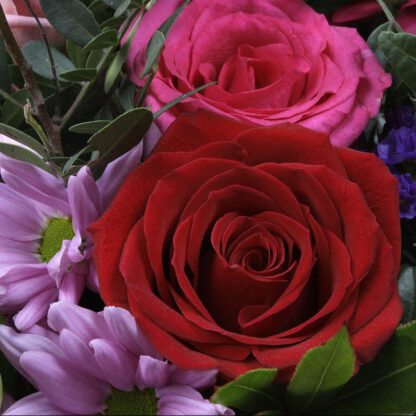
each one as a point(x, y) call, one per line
point(31, 84)
point(10, 98)
point(52, 61)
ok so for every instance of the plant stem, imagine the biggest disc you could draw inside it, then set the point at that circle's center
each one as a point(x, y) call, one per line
point(10, 98)
point(53, 67)
point(30, 82)
point(389, 15)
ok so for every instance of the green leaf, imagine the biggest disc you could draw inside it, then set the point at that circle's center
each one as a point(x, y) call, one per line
point(80, 74)
point(114, 4)
point(94, 58)
point(113, 22)
point(321, 371)
point(121, 135)
point(156, 42)
point(13, 114)
point(126, 94)
point(181, 98)
point(72, 19)
point(407, 290)
point(400, 51)
point(89, 127)
point(103, 40)
point(20, 153)
point(122, 8)
point(76, 54)
point(4, 69)
point(70, 162)
point(117, 63)
point(385, 386)
point(36, 54)
point(252, 392)
point(373, 38)
point(23, 138)
point(152, 53)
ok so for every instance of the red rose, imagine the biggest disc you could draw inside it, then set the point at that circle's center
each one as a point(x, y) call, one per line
point(237, 246)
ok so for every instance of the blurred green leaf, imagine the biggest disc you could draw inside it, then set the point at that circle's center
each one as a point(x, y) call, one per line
point(320, 373)
point(76, 54)
point(94, 58)
point(4, 69)
point(252, 392)
point(13, 114)
point(113, 22)
point(15, 76)
point(80, 74)
point(114, 4)
point(124, 5)
point(386, 385)
point(36, 54)
point(400, 51)
point(407, 290)
point(89, 127)
point(70, 162)
point(126, 94)
point(72, 19)
point(23, 138)
point(20, 153)
point(121, 135)
point(103, 40)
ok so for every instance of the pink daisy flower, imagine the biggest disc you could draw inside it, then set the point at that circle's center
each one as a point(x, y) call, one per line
point(45, 249)
point(101, 363)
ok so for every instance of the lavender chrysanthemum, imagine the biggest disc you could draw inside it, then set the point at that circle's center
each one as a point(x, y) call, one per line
point(45, 249)
point(90, 363)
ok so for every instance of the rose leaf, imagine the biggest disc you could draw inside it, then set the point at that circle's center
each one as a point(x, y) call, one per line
point(252, 392)
point(385, 386)
point(407, 290)
point(321, 372)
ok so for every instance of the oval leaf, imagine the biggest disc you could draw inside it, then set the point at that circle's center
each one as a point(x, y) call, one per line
point(72, 19)
point(385, 386)
point(89, 127)
point(407, 290)
point(103, 40)
point(153, 51)
point(80, 74)
point(36, 54)
point(252, 392)
point(320, 372)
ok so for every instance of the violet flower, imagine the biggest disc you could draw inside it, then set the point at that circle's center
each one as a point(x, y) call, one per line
point(100, 363)
point(45, 249)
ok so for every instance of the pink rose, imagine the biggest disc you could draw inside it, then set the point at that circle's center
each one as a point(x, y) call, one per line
point(274, 61)
point(24, 25)
point(360, 9)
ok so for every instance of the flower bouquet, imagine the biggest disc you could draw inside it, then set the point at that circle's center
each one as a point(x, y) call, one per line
point(208, 207)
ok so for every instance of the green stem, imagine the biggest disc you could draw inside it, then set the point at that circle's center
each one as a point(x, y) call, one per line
point(389, 15)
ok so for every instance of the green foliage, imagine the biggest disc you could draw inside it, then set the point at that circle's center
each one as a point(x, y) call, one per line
point(103, 40)
point(80, 74)
point(252, 392)
point(23, 138)
point(407, 289)
point(400, 51)
point(37, 56)
point(121, 135)
point(321, 371)
point(89, 127)
point(72, 19)
point(386, 385)
point(5, 83)
point(11, 113)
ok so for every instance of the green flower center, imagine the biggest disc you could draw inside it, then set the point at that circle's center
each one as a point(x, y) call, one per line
point(57, 230)
point(135, 402)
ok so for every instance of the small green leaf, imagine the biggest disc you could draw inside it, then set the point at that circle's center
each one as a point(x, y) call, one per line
point(386, 385)
point(37, 56)
point(122, 8)
point(103, 40)
point(400, 51)
point(121, 135)
point(13, 114)
point(372, 40)
point(72, 19)
point(20, 153)
point(126, 94)
point(23, 138)
point(89, 127)
point(168, 23)
point(152, 53)
point(252, 392)
point(76, 54)
point(4, 69)
point(94, 58)
point(321, 371)
point(80, 74)
point(181, 98)
point(407, 290)
point(113, 22)
point(117, 63)
point(70, 162)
